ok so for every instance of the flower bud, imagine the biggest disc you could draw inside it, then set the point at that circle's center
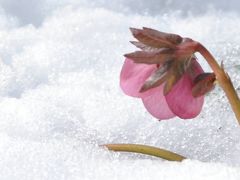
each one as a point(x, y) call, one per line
point(203, 84)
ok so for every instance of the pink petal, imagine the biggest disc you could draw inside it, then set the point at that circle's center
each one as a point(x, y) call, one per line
point(156, 104)
point(133, 76)
point(180, 99)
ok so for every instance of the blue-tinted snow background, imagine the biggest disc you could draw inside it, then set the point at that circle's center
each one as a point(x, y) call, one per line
point(60, 97)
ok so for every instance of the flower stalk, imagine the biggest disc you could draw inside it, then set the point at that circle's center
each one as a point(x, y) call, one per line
point(223, 80)
point(147, 150)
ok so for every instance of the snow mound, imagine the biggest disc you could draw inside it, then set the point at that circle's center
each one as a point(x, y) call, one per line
point(60, 95)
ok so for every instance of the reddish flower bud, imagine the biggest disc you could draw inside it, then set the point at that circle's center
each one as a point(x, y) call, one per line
point(203, 84)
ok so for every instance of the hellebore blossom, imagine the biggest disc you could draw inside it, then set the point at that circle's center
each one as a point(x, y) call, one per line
point(165, 74)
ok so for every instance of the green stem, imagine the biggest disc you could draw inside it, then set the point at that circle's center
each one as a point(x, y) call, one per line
point(223, 80)
point(148, 150)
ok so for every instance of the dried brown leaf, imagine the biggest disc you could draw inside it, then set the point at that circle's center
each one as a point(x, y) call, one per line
point(155, 57)
point(144, 47)
point(150, 40)
point(173, 38)
point(157, 78)
point(175, 74)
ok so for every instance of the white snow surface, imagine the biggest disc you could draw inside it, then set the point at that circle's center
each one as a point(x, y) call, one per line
point(60, 98)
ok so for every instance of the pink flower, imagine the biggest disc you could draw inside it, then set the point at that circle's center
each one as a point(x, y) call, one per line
point(165, 75)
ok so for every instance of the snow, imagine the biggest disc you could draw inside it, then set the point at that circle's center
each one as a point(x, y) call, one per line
point(60, 97)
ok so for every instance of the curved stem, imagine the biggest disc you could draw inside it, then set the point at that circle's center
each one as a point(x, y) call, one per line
point(223, 80)
point(148, 150)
